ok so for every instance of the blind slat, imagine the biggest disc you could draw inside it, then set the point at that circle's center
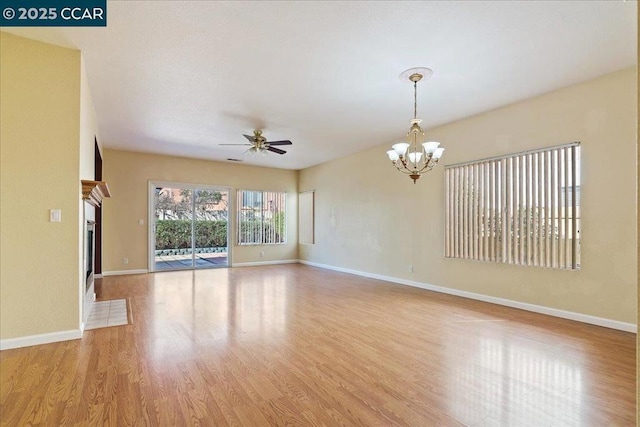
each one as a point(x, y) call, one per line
point(574, 211)
point(465, 201)
point(534, 208)
point(492, 210)
point(540, 205)
point(446, 213)
point(509, 213)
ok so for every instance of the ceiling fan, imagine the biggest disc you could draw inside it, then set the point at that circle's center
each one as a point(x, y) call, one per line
point(259, 144)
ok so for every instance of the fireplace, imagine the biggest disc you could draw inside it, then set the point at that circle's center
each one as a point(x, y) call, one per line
point(90, 254)
point(92, 193)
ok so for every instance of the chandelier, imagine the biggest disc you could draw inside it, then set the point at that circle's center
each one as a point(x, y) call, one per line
point(416, 156)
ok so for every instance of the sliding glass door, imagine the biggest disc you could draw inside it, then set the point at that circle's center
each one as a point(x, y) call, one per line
point(189, 226)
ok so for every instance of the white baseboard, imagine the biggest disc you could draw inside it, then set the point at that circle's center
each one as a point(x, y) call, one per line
point(97, 276)
point(252, 264)
point(584, 318)
point(40, 339)
point(124, 272)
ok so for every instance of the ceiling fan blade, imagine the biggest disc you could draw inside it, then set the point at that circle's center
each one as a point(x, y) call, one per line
point(276, 150)
point(285, 142)
point(235, 144)
point(250, 138)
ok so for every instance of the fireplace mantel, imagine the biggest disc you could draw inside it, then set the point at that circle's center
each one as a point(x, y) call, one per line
point(94, 191)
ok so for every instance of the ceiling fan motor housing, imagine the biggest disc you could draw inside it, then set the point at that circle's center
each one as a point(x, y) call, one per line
point(259, 139)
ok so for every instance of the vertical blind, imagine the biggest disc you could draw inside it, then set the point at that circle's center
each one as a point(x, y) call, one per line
point(261, 217)
point(306, 217)
point(521, 209)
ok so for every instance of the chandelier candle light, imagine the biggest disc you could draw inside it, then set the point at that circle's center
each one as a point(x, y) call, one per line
point(415, 156)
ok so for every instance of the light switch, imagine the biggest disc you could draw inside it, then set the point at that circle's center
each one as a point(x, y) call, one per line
point(55, 215)
point(141, 222)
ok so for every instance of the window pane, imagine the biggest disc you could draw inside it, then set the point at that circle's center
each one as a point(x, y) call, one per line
point(261, 217)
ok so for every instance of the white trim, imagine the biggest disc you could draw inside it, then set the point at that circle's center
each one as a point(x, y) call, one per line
point(97, 276)
point(252, 264)
point(123, 272)
point(40, 339)
point(579, 317)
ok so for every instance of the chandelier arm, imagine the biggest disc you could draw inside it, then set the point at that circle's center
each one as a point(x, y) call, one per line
point(422, 169)
point(412, 167)
point(403, 168)
point(405, 171)
point(409, 165)
point(428, 166)
point(408, 171)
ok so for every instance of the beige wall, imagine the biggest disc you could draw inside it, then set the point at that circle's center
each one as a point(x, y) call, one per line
point(39, 170)
point(127, 175)
point(371, 218)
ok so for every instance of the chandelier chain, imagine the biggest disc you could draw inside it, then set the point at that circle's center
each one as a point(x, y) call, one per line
point(415, 100)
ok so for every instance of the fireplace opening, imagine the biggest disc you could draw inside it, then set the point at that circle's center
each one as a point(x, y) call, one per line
point(90, 254)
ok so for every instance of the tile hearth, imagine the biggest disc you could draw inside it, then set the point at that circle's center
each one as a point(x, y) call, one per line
point(108, 313)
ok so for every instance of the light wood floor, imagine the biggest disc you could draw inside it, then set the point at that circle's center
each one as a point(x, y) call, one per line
point(296, 345)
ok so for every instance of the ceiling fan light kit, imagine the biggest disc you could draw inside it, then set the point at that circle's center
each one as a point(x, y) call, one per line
point(416, 156)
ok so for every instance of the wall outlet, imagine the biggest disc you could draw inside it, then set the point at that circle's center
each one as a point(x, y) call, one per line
point(411, 269)
point(55, 215)
point(141, 222)
point(261, 254)
point(125, 260)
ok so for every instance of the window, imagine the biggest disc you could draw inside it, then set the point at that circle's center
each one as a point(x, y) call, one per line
point(305, 218)
point(521, 209)
point(261, 217)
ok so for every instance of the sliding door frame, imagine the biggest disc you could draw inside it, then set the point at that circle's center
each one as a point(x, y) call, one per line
point(151, 217)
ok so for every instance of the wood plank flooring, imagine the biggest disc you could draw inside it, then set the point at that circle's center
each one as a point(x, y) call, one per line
point(297, 345)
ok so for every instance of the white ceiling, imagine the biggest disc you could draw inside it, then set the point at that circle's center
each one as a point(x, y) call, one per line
point(179, 78)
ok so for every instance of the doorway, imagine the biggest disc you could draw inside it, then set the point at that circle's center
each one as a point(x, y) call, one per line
point(189, 226)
